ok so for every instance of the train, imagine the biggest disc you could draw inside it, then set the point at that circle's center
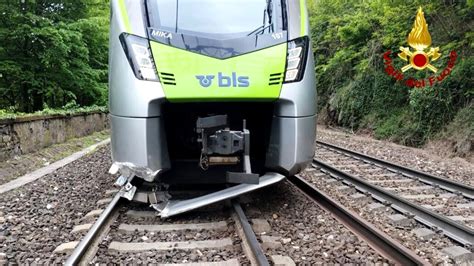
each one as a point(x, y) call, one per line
point(209, 92)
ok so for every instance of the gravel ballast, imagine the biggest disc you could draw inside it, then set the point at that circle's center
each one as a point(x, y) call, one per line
point(443, 201)
point(39, 216)
point(308, 234)
point(385, 219)
point(454, 168)
point(215, 213)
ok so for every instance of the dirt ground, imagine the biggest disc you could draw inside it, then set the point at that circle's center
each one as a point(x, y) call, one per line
point(26, 163)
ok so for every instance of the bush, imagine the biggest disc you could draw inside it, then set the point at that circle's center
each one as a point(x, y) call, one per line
point(354, 91)
point(69, 109)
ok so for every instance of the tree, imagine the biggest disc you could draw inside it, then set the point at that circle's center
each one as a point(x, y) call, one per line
point(53, 52)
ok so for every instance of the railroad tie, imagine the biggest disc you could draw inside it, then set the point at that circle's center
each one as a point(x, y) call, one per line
point(461, 218)
point(381, 182)
point(66, 247)
point(459, 254)
point(111, 191)
point(104, 201)
point(93, 213)
point(417, 188)
point(282, 260)
point(163, 246)
point(81, 228)
point(215, 226)
point(141, 214)
point(419, 196)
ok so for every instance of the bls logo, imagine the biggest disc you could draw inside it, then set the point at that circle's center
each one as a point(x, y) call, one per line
point(223, 80)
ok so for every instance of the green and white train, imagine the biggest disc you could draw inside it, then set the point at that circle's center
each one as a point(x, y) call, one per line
point(210, 91)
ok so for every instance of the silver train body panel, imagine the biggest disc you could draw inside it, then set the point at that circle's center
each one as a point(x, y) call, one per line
point(138, 130)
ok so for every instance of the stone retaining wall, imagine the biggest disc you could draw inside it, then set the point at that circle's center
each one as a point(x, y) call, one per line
point(28, 134)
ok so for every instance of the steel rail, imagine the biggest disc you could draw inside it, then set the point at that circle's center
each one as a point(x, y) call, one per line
point(250, 236)
point(375, 238)
point(452, 229)
point(447, 184)
point(85, 243)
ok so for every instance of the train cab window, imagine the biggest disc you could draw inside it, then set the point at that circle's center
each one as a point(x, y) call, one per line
point(215, 19)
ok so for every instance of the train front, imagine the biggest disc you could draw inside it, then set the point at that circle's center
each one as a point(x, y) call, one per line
point(210, 91)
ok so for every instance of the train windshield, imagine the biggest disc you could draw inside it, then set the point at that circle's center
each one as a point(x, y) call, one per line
point(215, 19)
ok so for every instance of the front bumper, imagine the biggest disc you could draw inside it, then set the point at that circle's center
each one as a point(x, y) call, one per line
point(139, 146)
point(291, 147)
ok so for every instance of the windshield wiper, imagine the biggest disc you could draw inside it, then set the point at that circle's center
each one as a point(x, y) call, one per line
point(261, 29)
point(270, 13)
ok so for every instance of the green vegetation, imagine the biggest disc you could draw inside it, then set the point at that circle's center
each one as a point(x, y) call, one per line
point(68, 109)
point(457, 136)
point(53, 52)
point(349, 40)
point(53, 57)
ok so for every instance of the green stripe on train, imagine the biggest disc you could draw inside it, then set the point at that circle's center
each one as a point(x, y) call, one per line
point(123, 12)
point(263, 69)
point(303, 17)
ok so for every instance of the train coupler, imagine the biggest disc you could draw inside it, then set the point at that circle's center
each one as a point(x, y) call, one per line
point(222, 146)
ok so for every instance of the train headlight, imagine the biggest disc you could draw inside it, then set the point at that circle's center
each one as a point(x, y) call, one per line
point(291, 75)
point(294, 52)
point(293, 63)
point(137, 50)
point(296, 59)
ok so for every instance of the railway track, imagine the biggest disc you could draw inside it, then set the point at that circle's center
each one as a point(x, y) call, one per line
point(218, 229)
point(444, 183)
point(377, 239)
point(438, 203)
point(111, 224)
point(383, 181)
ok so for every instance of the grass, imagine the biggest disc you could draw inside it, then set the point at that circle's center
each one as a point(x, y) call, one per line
point(11, 114)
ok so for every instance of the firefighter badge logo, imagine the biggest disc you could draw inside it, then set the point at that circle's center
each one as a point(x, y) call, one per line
point(419, 57)
point(419, 39)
